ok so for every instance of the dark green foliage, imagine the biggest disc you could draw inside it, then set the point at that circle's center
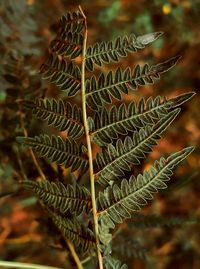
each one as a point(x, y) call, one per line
point(65, 75)
point(69, 39)
point(115, 202)
point(125, 134)
point(73, 199)
point(71, 22)
point(113, 263)
point(127, 247)
point(81, 236)
point(66, 152)
point(112, 51)
point(62, 116)
point(107, 124)
point(151, 221)
point(67, 44)
point(99, 91)
point(116, 159)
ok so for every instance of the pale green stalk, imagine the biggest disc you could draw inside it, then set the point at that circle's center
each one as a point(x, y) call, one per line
point(89, 147)
point(21, 265)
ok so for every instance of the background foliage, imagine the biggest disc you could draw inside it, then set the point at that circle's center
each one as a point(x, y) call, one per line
point(27, 26)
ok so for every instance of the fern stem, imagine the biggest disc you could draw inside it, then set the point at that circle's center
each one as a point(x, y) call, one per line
point(74, 254)
point(89, 147)
point(20, 265)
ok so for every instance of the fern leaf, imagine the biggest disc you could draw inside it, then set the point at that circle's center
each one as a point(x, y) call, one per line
point(67, 44)
point(66, 76)
point(115, 160)
point(81, 236)
point(113, 263)
point(182, 98)
point(112, 51)
point(128, 247)
point(151, 221)
point(106, 125)
point(72, 22)
point(63, 116)
point(66, 152)
point(69, 39)
point(74, 199)
point(113, 85)
point(115, 203)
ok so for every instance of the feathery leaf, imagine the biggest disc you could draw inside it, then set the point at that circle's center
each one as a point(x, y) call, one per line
point(66, 152)
point(112, 51)
point(106, 125)
point(113, 263)
point(74, 199)
point(151, 221)
point(67, 44)
point(61, 115)
point(81, 236)
point(115, 202)
point(66, 76)
point(128, 247)
point(115, 160)
point(101, 90)
point(71, 22)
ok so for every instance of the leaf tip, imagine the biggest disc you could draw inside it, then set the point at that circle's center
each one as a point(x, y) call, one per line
point(181, 99)
point(188, 150)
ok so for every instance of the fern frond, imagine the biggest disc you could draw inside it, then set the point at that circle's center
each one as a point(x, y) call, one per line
point(112, 51)
point(71, 22)
point(66, 152)
point(62, 116)
point(151, 221)
point(113, 263)
point(115, 160)
point(81, 236)
point(69, 39)
point(128, 247)
point(101, 90)
point(115, 203)
point(106, 125)
point(74, 199)
point(67, 44)
point(66, 76)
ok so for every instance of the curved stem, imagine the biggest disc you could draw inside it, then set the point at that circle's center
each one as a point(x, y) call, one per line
point(89, 147)
point(74, 254)
point(25, 265)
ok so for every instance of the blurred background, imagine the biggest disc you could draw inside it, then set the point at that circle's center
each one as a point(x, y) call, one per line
point(26, 28)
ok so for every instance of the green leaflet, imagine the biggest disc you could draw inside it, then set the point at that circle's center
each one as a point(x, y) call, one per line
point(71, 22)
point(66, 152)
point(115, 160)
point(127, 247)
point(73, 199)
point(81, 236)
point(67, 44)
point(115, 202)
point(112, 51)
point(142, 221)
point(113, 263)
point(66, 76)
point(107, 124)
point(69, 39)
point(111, 85)
point(62, 116)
